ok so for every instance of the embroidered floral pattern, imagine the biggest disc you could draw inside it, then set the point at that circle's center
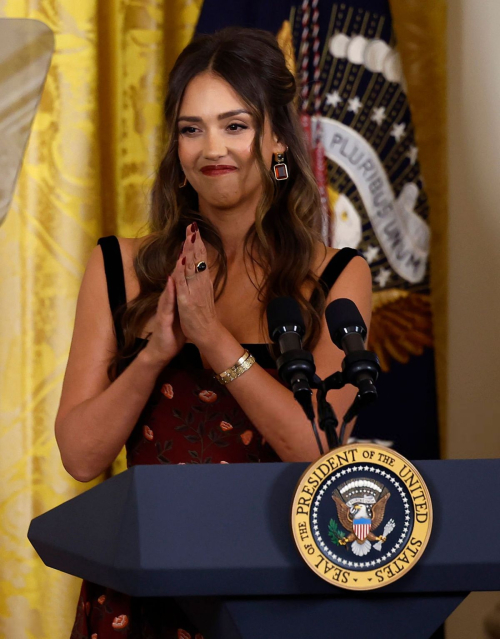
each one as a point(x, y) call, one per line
point(168, 391)
point(120, 622)
point(199, 423)
point(246, 437)
point(207, 396)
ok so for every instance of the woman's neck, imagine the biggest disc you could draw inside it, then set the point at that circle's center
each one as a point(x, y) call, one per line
point(232, 224)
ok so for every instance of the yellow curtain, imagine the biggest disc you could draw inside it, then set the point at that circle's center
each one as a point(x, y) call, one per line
point(86, 173)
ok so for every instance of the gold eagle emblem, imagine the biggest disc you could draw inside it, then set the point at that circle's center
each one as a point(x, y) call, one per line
point(361, 509)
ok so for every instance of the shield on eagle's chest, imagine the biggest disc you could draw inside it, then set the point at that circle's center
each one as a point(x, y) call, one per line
point(361, 528)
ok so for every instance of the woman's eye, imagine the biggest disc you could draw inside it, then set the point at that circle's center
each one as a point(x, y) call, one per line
point(231, 127)
point(188, 130)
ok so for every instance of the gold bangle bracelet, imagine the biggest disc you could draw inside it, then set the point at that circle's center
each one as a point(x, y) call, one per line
point(245, 362)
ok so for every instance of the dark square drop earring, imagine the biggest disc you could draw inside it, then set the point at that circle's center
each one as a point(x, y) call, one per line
point(280, 168)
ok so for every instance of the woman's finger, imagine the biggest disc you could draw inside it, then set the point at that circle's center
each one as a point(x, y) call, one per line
point(179, 276)
point(166, 302)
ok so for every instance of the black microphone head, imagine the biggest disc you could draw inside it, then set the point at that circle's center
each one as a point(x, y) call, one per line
point(343, 317)
point(283, 313)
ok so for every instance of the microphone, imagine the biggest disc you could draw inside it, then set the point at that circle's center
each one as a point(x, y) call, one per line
point(295, 365)
point(348, 332)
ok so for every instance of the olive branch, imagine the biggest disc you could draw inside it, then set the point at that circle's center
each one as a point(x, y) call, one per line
point(334, 533)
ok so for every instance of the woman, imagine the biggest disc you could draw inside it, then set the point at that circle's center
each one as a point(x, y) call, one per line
point(153, 325)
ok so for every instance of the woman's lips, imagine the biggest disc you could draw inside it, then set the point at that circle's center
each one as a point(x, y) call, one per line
point(218, 169)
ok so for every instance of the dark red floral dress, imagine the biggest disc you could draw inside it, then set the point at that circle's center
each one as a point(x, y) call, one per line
point(189, 419)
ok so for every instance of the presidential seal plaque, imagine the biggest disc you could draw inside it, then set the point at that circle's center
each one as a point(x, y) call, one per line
point(361, 516)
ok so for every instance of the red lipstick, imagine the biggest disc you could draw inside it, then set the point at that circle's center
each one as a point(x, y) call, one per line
point(217, 169)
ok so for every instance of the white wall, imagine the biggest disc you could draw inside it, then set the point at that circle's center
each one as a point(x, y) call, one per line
point(473, 428)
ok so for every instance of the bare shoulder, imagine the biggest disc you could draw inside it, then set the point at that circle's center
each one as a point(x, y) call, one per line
point(356, 269)
point(129, 247)
point(354, 282)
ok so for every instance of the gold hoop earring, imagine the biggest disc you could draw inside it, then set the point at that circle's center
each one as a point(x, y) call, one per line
point(280, 168)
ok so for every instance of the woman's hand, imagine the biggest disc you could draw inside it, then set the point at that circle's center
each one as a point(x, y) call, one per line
point(195, 293)
point(167, 337)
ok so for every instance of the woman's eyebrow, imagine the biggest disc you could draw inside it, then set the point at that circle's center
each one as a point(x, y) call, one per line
point(221, 116)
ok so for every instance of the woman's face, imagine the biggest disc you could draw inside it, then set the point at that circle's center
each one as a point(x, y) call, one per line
point(215, 133)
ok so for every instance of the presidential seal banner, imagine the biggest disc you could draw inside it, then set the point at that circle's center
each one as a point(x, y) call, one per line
point(361, 516)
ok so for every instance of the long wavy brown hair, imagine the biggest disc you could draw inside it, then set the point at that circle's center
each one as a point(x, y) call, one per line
point(288, 217)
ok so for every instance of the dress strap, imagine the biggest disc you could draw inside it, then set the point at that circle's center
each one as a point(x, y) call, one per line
point(334, 268)
point(115, 279)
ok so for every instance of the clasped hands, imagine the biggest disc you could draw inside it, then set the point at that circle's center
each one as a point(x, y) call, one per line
point(186, 307)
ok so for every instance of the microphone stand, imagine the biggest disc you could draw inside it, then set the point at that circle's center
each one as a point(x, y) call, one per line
point(359, 368)
point(364, 362)
point(298, 365)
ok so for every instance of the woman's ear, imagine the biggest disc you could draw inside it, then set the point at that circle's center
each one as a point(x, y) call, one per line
point(278, 146)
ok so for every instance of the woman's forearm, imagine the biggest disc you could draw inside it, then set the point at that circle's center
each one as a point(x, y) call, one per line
point(91, 435)
point(268, 404)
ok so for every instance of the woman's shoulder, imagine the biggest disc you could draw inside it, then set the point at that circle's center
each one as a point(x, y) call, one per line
point(354, 268)
point(129, 247)
point(98, 270)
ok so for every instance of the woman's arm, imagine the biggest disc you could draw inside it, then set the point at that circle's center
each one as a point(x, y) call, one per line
point(269, 405)
point(96, 417)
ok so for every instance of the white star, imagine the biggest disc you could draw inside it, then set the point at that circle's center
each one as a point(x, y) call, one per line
point(348, 470)
point(354, 104)
point(398, 130)
point(379, 560)
point(333, 99)
point(350, 563)
point(412, 154)
point(372, 469)
point(371, 253)
point(366, 468)
point(378, 115)
point(383, 277)
point(343, 472)
point(378, 470)
point(372, 563)
point(356, 564)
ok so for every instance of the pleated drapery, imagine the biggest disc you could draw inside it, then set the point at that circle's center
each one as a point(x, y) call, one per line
point(87, 172)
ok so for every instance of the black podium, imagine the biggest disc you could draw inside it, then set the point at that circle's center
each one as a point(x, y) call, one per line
point(218, 539)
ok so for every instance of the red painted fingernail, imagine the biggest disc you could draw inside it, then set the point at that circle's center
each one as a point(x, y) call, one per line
point(183, 261)
point(194, 227)
point(193, 238)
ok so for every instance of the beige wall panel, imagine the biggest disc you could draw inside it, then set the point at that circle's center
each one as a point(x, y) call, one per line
point(474, 253)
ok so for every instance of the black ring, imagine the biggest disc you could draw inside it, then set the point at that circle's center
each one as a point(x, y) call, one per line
point(201, 266)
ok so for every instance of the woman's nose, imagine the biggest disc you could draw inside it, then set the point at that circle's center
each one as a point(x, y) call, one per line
point(214, 147)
